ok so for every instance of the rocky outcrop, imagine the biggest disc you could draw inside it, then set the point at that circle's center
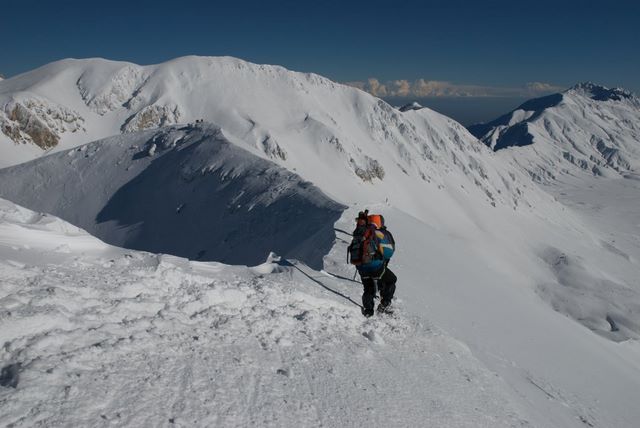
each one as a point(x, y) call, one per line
point(272, 149)
point(411, 106)
point(38, 122)
point(369, 171)
point(153, 116)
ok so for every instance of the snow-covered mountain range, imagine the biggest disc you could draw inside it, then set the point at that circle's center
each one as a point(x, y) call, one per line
point(220, 159)
point(70, 102)
point(587, 128)
point(353, 146)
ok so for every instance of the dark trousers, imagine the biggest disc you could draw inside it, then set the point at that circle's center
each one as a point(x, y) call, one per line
point(386, 287)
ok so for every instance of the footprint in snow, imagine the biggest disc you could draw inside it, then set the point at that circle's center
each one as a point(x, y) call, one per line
point(373, 336)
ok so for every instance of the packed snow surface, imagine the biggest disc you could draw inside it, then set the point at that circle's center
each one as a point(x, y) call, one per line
point(96, 335)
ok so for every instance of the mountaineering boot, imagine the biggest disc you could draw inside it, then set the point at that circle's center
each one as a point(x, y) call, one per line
point(384, 306)
point(367, 312)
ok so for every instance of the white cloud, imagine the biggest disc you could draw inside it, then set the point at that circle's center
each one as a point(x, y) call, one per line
point(423, 88)
point(374, 87)
point(540, 87)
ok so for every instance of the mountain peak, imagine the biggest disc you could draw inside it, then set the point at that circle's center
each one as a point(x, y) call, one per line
point(411, 106)
point(588, 128)
point(601, 93)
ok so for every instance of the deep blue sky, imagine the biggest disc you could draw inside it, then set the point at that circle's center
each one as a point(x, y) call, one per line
point(495, 43)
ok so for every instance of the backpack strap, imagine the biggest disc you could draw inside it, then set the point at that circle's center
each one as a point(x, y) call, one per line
point(393, 241)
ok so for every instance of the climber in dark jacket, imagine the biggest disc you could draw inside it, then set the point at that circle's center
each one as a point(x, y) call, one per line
point(371, 249)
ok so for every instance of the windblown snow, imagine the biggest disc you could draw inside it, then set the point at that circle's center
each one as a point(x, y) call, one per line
point(517, 305)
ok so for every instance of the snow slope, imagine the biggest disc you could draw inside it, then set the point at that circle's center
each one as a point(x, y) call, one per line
point(588, 128)
point(96, 335)
point(538, 325)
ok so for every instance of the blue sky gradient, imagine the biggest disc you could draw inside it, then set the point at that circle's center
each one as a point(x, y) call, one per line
point(483, 43)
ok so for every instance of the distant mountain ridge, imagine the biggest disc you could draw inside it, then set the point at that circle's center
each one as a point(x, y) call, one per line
point(588, 128)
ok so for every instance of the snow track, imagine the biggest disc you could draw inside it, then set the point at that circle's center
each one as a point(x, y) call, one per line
point(107, 336)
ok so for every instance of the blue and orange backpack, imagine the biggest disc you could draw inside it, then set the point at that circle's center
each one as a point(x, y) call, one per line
point(372, 245)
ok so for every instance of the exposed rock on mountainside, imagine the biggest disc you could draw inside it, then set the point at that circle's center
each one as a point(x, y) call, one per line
point(411, 106)
point(152, 117)
point(39, 122)
point(371, 169)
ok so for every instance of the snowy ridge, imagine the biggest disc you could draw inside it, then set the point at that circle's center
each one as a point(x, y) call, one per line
point(588, 128)
point(183, 191)
point(97, 335)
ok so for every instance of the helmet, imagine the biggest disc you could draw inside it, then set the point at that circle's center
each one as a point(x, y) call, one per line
point(362, 217)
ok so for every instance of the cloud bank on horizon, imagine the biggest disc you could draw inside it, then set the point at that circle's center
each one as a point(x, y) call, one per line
point(422, 88)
